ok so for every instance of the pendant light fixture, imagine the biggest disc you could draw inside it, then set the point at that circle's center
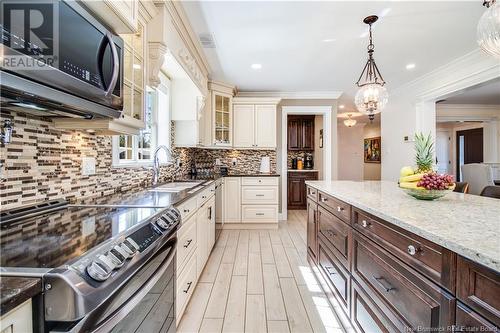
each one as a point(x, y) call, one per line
point(372, 96)
point(349, 122)
point(488, 28)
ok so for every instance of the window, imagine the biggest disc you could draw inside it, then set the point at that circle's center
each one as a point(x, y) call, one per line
point(134, 150)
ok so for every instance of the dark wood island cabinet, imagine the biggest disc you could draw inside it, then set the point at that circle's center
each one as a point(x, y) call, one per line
point(388, 279)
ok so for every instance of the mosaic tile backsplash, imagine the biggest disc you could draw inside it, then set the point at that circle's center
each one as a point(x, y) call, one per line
point(44, 163)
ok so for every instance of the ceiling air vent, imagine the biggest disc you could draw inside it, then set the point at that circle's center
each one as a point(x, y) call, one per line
point(207, 41)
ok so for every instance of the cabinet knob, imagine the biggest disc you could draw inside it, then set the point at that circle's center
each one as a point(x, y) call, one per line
point(365, 223)
point(412, 250)
point(323, 199)
point(339, 209)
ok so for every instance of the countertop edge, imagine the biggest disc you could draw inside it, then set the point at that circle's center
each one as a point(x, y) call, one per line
point(482, 259)
point(18, 291)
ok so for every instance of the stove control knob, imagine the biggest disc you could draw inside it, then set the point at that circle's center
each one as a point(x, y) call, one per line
point(130, 247)
point(163, 224)
point(99, 271)
point(120, 250)
point(116, 257)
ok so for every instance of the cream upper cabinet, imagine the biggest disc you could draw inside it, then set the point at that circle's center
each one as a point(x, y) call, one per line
point(243, 125)
point(254, 123)
point(220, 115)
point(120, 15)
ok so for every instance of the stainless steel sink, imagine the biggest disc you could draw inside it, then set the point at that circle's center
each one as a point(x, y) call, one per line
point(175, 187)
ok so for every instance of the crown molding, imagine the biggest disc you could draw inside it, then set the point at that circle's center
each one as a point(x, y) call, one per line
point(256, 100)
point(482, 107)
point(292, 94)
point(468, 70)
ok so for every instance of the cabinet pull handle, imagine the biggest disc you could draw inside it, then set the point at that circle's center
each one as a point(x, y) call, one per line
point(339, 209)
point(413, 250)
point(259, 195)
point(365, 224)
point(259, 214)
point(385, 286)
point(323, 199)
point(210, 213)
point(188, 287)
point(327, 268)
point(203, 196)
point(188, 243)
point(186, 210)
point(260, 181)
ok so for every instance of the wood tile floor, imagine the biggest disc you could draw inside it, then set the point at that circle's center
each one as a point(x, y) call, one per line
point(260, 281)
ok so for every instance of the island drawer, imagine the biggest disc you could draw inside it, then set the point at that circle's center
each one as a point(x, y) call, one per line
point(337, 276)
point(335, 234)
point(479, 288)
point(260, 181)
point(430, 259)
point(337, 207)
point(469, 321)
point(419, 301)
point(312, 193)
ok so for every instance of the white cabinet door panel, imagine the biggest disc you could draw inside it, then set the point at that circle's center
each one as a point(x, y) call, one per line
point(265, 126)
point(232, 200)
point(243, 126)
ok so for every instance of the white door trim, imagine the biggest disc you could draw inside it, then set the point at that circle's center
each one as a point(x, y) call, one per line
point(329, 150)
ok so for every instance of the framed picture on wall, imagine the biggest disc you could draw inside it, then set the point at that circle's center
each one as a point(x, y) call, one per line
point(372, 150)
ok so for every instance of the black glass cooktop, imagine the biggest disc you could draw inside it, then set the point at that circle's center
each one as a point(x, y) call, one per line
point(56, 238)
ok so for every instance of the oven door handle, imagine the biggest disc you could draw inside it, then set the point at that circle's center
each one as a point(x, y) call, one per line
point(116, 64)
point(87, 322)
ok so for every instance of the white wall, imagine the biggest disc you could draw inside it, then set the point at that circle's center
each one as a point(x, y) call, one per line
point(411, 107)
point(350, 159)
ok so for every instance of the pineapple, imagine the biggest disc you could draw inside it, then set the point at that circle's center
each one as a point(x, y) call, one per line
point(424, 149)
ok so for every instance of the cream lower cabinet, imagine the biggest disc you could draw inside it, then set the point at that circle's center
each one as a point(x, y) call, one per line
point(18, 320)
point(195, 240)
point(232, 200)
point(251, 200)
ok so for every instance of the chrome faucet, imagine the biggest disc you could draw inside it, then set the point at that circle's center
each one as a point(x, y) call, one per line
point(156, 162)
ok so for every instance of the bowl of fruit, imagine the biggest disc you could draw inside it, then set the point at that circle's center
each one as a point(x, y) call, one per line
point(423, 183)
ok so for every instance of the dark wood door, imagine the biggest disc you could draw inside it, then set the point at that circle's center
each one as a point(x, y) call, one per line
point(469, 321)
point(308, 134)
point(470, 146)
point(294, 133)
point(312, 231)
point(296, 194)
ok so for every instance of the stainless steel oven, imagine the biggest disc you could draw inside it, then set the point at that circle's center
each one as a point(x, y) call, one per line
point(70, 64)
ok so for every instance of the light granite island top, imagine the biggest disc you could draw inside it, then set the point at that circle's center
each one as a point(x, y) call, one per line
point(466, 224)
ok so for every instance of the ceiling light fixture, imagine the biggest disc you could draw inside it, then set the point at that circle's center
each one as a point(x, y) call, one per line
point(372, 96)
point(256, 66)
point(328, 40)
point(410, 66)
point(488, 28)
point(349, 122)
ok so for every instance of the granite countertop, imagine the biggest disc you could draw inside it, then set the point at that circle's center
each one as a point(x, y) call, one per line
point(16, 290)
point(466, 224)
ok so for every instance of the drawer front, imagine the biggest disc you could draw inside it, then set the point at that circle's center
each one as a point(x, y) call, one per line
point(205, 195)
point(257, 214)
point(336, 274)
point(420, 302)
point(367, 317)
point(335, 233)
point(337, 207)
point(432, 260)
point(186, 243)
point(479, 288)
point(187, 208)
point(267, 195)
point(260, 181)
point(185, 286)
point(469, 321)
point(312, 193)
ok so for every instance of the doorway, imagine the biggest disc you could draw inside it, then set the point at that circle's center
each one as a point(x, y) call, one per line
point(469, 148)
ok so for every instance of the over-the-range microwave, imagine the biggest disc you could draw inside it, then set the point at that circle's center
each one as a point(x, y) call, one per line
point(57, 59)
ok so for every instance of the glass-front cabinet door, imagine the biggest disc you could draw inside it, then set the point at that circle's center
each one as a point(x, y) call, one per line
point(223, 113)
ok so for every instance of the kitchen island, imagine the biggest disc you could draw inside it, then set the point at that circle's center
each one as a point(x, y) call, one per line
point(398, 264)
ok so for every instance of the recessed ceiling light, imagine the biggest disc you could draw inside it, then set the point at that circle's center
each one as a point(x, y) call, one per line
point(410, 66)
point(329, 40)
point(256, 66)
point(384, 12)
point(341, 106)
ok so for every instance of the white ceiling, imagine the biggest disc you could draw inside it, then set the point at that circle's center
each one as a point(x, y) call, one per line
point(487, 94)
point(286, 37)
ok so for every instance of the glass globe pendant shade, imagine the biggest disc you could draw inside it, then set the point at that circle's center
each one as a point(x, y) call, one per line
point(371, 98)
point(488, 30)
